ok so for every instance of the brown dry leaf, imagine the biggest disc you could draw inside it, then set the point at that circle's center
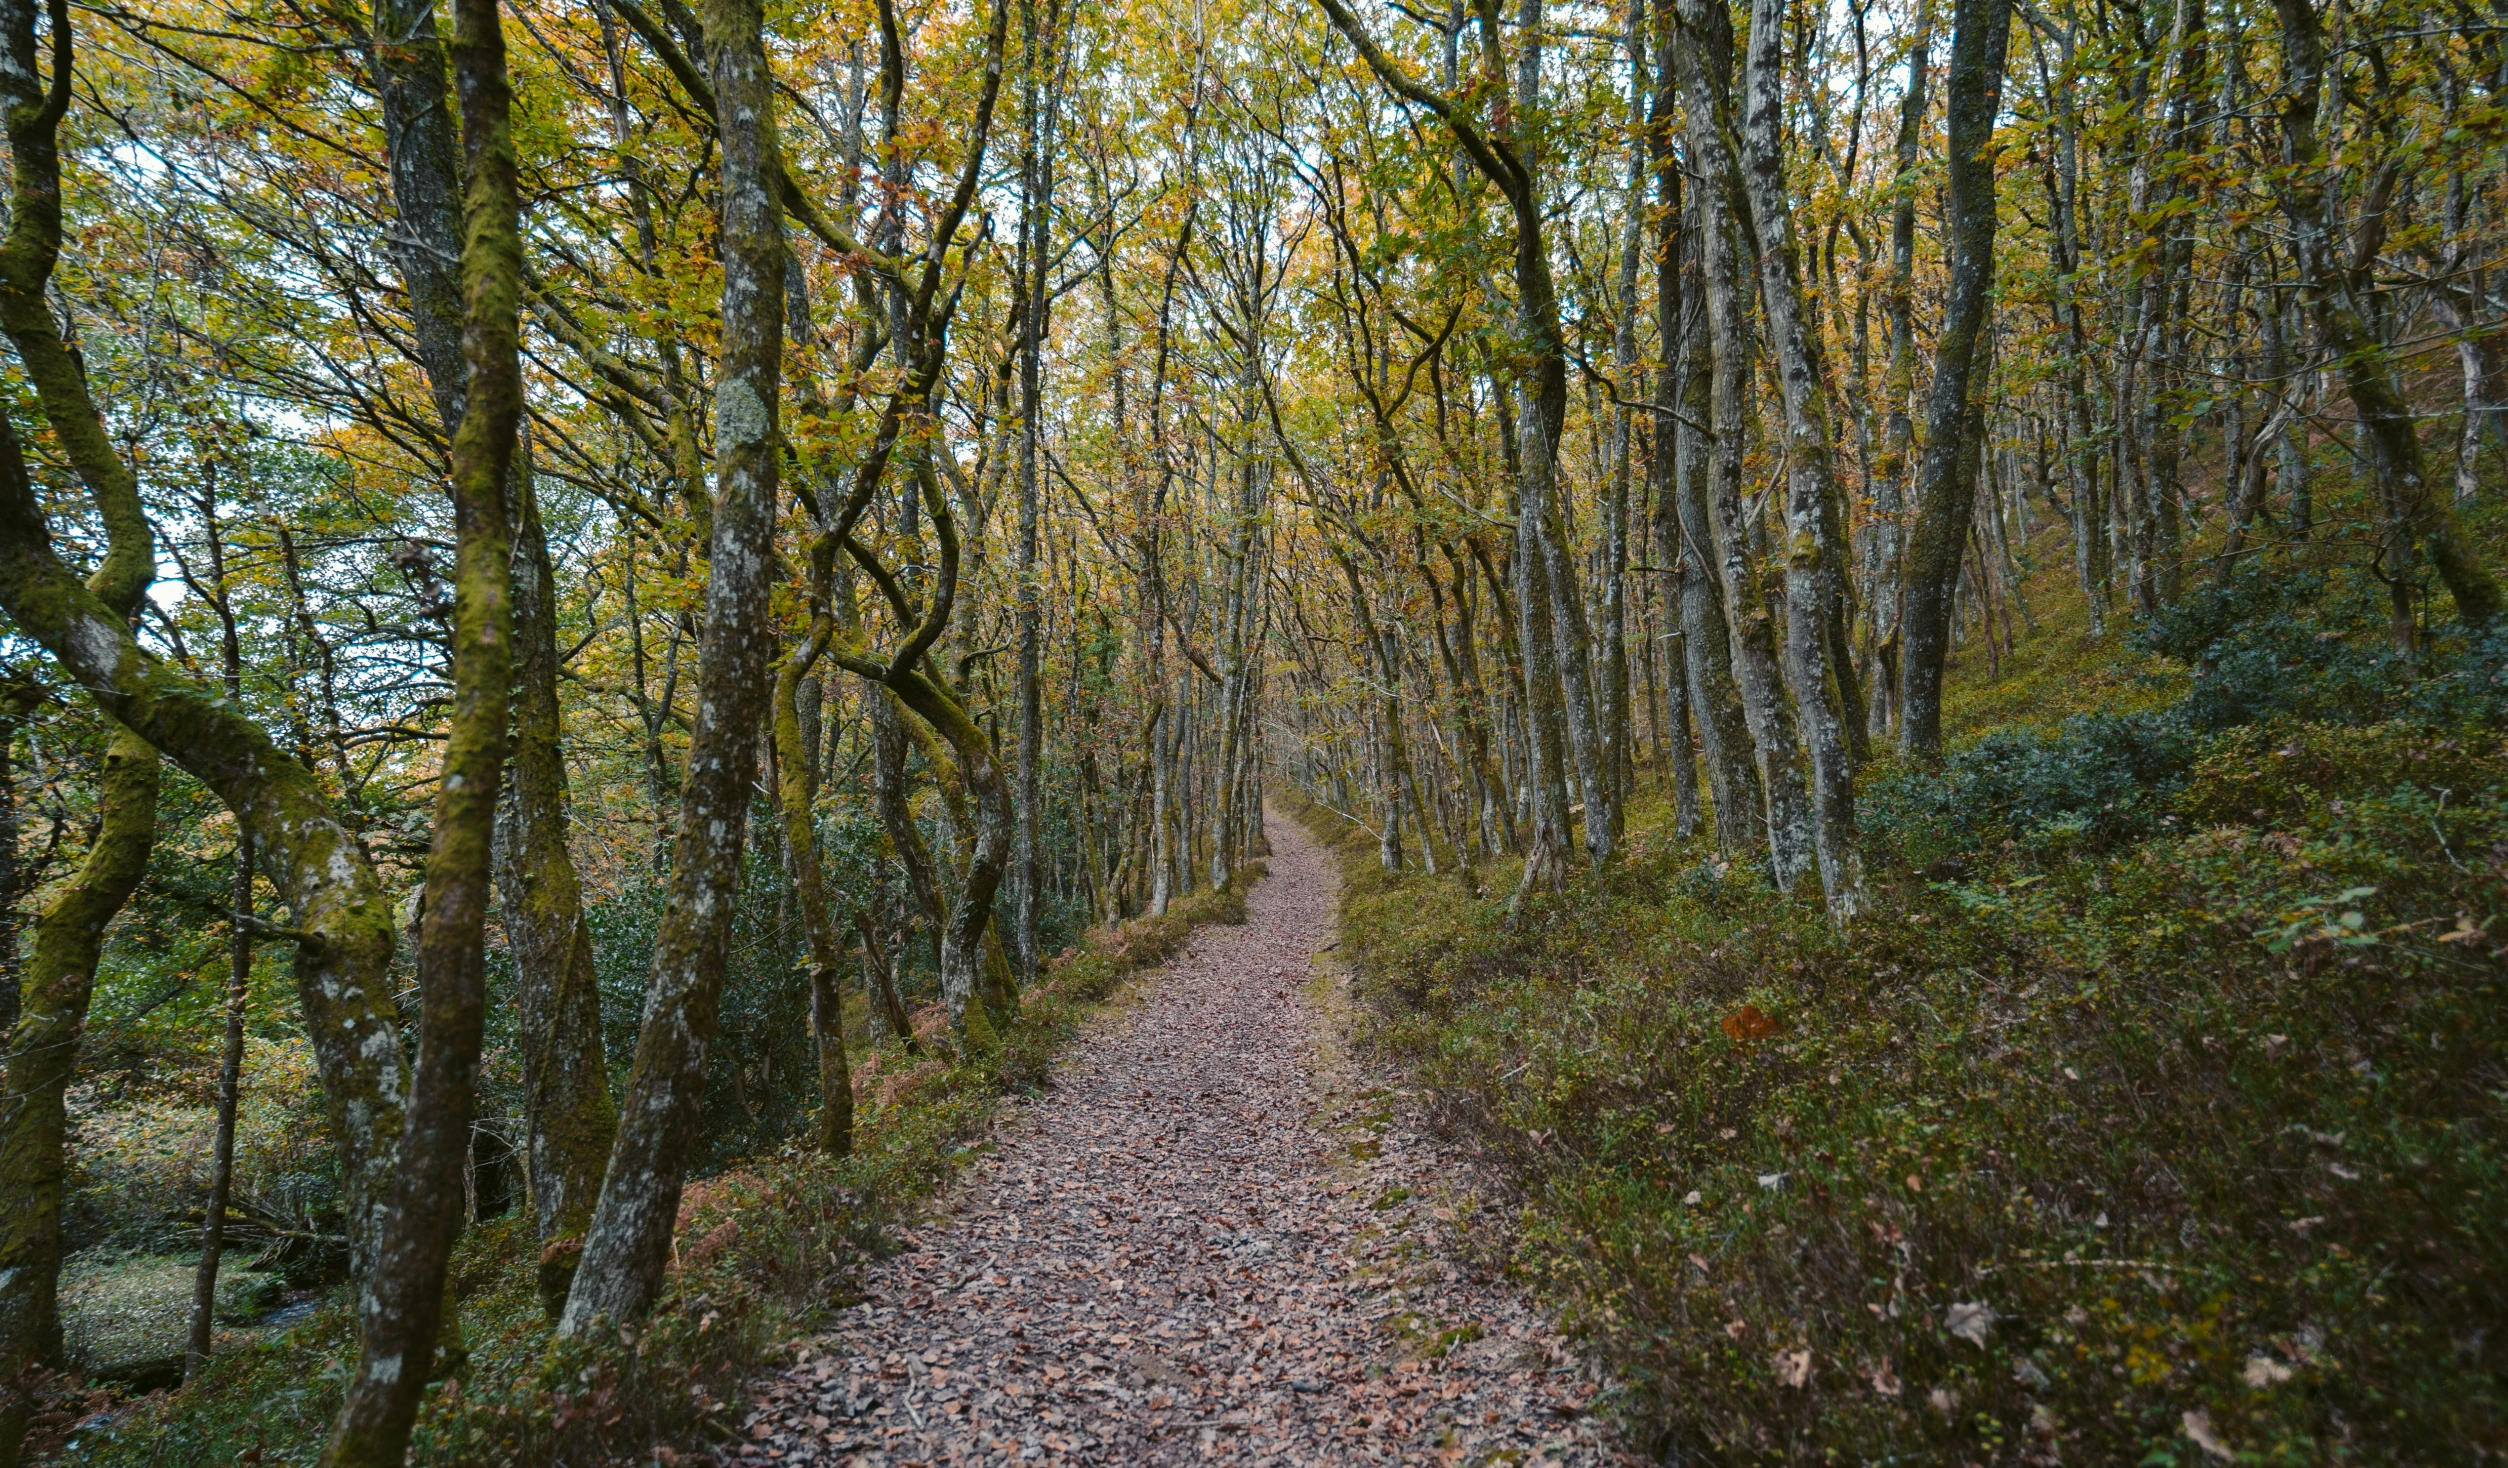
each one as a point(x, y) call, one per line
point(1748, 1023)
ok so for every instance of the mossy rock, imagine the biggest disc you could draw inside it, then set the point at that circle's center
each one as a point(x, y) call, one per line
point(129, 1319)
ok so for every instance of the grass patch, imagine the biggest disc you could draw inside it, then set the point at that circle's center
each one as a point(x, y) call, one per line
point(765, 1253)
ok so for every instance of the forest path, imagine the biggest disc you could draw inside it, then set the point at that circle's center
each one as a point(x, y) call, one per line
point(1212, 1241)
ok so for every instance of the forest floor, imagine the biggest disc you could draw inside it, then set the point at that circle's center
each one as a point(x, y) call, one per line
point(1216, 1238)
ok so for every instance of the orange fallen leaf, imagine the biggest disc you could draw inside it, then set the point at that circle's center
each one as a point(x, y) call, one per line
point(1748, 1023)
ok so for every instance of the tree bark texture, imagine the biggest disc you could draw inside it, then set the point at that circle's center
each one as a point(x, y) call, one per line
point(628, 1243)
point(1706, 66)
point(1684, 533)
point(1812, 552)
point(1944, 489)
point(401, 1304)
point(569, 1123)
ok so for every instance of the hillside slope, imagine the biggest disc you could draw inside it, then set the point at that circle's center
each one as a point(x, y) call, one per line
point(2153, 1114)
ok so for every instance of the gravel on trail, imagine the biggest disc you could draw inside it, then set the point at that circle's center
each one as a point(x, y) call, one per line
point(1213, 1240)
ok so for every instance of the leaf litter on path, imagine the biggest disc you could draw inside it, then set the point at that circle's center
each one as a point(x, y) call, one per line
point(1210, 1242)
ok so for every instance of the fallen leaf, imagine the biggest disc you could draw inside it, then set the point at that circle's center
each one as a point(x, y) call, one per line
point(1748, 1023)
point(1884, 1380)
point(1794, 1368)
point(1971, 1320)
point(2264, 1371)
point(2199, 1427)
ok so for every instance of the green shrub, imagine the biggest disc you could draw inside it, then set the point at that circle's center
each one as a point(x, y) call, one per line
point(2102, 780)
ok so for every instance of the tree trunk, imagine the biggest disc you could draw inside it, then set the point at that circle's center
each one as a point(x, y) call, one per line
point(402, 1306)
point(1943, 490)
point(1035, 240)
point(222, 1145)
point(629, 1241)
point(569, 1124)
point(1890, 478)
point(818, 925)
point(2342, 324)
point(890, 794)
point(1812, 568)
point(1705, 64)
point(964, 986)
point(60, 978)
point(1684, 538)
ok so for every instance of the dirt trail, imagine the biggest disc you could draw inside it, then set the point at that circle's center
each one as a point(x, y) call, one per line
point(1211, 1241)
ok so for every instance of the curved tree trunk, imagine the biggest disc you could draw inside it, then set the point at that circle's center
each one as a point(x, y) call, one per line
point(966, 988)
point(60, 978)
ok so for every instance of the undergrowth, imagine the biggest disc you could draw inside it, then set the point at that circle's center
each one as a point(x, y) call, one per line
point(764, 1253)
point(2152, 1114)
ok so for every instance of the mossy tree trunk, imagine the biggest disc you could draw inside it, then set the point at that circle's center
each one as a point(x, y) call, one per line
point(60, 976)
point(568, 1121)
point(801, 839)
point(401, 1307)
point(49, 1003)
